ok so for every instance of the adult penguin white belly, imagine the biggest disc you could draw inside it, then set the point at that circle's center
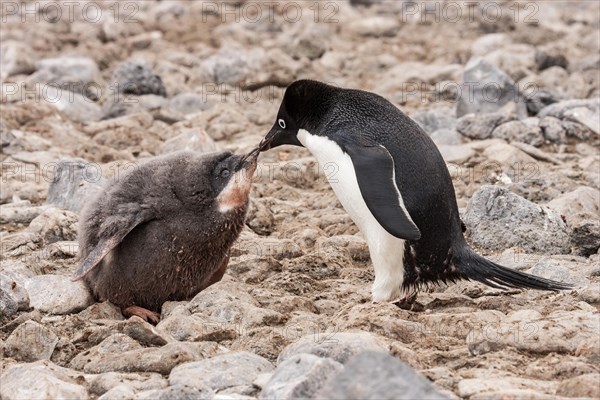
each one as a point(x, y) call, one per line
point(394, 183)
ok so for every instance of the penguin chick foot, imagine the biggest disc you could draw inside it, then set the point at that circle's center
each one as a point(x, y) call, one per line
point(407, 301)
point(146, 315)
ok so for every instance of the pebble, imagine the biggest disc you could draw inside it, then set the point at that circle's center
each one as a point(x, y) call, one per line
point(31, 341)
point(57, 294)
point(339, 346)
point(519, 131)
point(136, 77)
point(76, 107)
point(189, 103)
point(481, 126)
point(300, 376)
point(489, 90)
point(221, 372)
point(16, 58)
point(498, 219)
point(75, 74)
point(434, 119)
point(196, 140)
point(40, 380)
point(373, 375)
point(581, 386)
point(74, 184)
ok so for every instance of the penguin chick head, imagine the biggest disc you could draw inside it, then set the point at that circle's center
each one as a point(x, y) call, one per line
point(304, 106)
point(232, 179)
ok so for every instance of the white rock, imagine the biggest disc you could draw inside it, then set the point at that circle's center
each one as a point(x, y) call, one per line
point(57, 294)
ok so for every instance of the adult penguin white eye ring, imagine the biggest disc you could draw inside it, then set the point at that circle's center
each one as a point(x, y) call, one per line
point(413, 229)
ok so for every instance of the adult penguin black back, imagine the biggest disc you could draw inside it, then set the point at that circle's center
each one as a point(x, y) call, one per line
point(394, 183)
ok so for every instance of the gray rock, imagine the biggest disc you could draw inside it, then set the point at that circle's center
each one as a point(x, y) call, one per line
point(456, 153)
point(553, 130)
point(538, 99)
point(559, 270)
point(375, 26)
point(447, 137)
point(178, 392)
point(15, 59)
point(436, 118)
point(136, 77)
point(580, 386)
point(481, 126)
point(54, 225)
point(487, 89)
point(31, 342)
point(559, 109)
point(120, 353)
point(104, 383)
point(78, 108)
point(545, 59)
point(196, 140)
point(40, 380)
point(189, 103)
point(221, 372)
point(21, 212)
point(339, 346)
point(585, 116)
point(75, 74)
point(13, 296)
point(74, 183)
point(519, 131)
point(373, 375)
point(310, 42)
point(300, 376)
point(586, 237)
point(498, 219)
point(57, 294)
point(119, 392)
point(580, 204)
point(577, 130)
point(231, 66)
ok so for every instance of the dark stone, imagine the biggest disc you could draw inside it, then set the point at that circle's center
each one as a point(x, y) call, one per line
point(134, 77)
point(374, 375)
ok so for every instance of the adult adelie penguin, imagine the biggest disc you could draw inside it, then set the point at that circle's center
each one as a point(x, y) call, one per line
point(395, 185)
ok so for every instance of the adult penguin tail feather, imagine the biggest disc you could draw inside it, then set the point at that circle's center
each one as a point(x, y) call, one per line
point(472, 266)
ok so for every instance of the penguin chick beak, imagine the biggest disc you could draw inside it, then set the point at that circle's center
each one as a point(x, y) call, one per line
point(235, 194)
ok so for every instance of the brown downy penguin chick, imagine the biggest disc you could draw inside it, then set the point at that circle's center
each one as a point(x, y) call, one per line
point(163, 231)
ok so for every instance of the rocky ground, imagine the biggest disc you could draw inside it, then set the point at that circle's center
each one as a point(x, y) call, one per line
point(87, 95)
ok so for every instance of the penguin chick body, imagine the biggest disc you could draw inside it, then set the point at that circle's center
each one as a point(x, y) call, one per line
point(393, 182)
point(162, 231)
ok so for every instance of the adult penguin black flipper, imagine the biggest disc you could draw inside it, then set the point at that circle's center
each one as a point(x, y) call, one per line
point(375, 173)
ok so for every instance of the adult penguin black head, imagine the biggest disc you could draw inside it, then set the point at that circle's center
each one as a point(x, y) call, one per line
point(394, 184)
point(305, 105)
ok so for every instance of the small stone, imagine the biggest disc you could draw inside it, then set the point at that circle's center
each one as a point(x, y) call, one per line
point(586, 237)
point(300, 376)
point(54, 225)
point(578, 205)
point(519, 131)
point(434, 119)
point(456, 153)
point(31, 342)
point(189, 103)
point(536, 100)
point(221, 372)
point(372, 375)
point(73, 74)
point(498, 219)
point(196, 140)
point(13, 295)
point(559, 109)
point(74, 184)
point(15, 58)
point(136, 77)
point(231, 66)
point(507, 155)
point(553, 130)
point(581, 386)
point(447, 137)
point(340, 346)
point(106, 382)
point(377, 26)
point(178, 392)
point(77, 108)
point(40, 380)
point(546, 60)
point(487, 89)
point(584, 116)
point(118, 352)
point(119, 392)
point(480, 126)
point(56, 294)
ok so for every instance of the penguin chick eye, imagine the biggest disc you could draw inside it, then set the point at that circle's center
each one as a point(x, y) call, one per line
point(281, 123)
point(225, 173)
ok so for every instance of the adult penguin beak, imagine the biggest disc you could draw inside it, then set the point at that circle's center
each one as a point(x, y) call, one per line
point(277, 137)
